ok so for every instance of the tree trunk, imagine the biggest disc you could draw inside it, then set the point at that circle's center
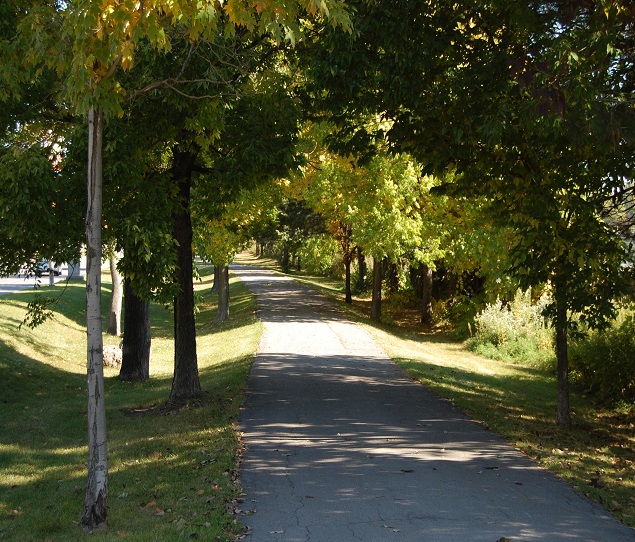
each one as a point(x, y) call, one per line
point(216, 279)
point(137, 338)
point(94, 512)
point(362, 270)
point(223, 294)
point(393, 277)
point(114, 323)
point(185, 383)
point(563, 415)
point(344, 234)
point(284, 261)
point(426, 294)
point(375, 310)
point(347, 268)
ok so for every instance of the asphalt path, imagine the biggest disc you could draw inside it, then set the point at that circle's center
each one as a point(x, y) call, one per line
point(342, 446)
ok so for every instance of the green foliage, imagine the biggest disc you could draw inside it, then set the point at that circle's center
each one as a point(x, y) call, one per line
point(321, 254)
point(38, 311)
point(603, 363)
point(38, 205)
point(514, 331)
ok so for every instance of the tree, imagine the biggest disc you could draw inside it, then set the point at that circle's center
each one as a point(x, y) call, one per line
point(137, 339)
point(524, 103)
point(381, 204)
point(87, 48)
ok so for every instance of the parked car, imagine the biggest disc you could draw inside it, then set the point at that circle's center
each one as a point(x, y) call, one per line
point(42, 267)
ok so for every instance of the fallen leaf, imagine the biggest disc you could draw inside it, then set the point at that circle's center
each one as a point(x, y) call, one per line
point(159, 512)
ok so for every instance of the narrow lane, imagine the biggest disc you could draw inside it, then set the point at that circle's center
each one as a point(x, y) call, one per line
point(342, 446)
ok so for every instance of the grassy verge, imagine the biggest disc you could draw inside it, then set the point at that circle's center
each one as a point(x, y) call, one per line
point(597, 457)
point(172, 474)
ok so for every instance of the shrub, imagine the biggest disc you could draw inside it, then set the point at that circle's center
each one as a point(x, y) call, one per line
point(515, 331)
point(603, 363)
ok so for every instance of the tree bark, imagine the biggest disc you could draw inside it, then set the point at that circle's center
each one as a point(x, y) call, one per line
point(563, 414)
point(426, 294)
point(345, 232)
point(137, 338)
point(216, 279)
point(114, 323)
point(347, 268)
point(393, 277)
point(362, 270)
point(223, 294)
point(285, 259)
point(185, 383)
point(94, 512)
point(375, 310)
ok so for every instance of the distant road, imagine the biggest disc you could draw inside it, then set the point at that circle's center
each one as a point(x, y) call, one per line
point(14, 283)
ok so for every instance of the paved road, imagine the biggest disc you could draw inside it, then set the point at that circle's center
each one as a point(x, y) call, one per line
point(14, 283)
point(342, 446)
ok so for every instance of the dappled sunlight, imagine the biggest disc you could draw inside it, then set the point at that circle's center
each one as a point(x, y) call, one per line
point(165, 465)
point(33, 464)
point(338, 436)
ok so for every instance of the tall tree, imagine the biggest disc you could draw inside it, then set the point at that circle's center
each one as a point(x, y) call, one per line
point(88, 46)
point(524, 101)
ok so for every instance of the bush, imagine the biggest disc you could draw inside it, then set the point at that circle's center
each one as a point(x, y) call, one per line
point(603, 363)
point(515, 331)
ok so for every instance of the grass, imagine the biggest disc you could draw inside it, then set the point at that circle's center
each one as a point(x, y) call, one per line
point(172, 473)
point(518, 401)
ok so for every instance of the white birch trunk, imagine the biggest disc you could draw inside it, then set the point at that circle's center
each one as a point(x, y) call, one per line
point(94, 513)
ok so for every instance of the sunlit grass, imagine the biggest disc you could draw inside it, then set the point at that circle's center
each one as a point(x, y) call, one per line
point(172, 474)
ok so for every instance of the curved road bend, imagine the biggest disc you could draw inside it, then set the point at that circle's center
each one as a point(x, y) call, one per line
point(342, 446)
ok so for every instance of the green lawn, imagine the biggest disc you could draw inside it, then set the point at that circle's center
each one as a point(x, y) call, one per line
point(172, 474)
